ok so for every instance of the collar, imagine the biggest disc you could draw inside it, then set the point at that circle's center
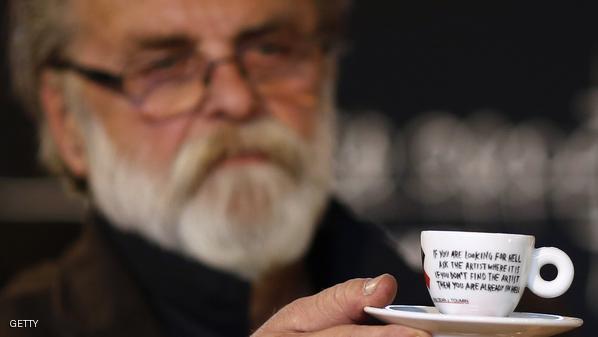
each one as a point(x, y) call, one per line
point(182, 291)
point(93, 295)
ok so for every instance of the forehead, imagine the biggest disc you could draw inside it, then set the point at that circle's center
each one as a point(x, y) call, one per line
point(116, 22)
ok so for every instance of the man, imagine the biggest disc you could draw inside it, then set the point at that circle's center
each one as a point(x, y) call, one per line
point(200, 132)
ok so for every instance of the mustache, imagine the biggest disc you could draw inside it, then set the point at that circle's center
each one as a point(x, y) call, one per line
point(200, 156)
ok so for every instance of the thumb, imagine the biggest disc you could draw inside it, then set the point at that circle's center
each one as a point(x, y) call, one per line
point(340, 304)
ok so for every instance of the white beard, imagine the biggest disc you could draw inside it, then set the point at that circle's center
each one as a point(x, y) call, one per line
point(245, 219)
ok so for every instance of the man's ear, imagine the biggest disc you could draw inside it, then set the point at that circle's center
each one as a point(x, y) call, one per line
point(62, 124)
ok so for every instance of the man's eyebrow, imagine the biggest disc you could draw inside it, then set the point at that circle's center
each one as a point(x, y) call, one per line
point(161, 42)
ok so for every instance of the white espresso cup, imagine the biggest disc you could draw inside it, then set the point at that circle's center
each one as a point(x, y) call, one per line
point(485, 274)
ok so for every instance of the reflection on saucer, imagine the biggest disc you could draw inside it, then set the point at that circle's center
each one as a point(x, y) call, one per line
point(518, 324)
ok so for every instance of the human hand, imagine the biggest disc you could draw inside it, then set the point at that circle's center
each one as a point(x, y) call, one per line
point(337, 311)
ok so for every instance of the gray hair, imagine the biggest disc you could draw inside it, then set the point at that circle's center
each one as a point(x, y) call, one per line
point(40, 31)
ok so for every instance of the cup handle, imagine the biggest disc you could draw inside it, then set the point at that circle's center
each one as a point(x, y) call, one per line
point(565, 271)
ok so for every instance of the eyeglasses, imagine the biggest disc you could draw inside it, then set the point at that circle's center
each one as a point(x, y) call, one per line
point(178, 83)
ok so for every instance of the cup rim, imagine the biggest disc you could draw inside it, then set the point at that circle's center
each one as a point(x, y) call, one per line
point(477, 233)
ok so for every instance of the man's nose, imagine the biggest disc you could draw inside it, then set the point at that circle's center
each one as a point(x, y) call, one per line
point(230, 94)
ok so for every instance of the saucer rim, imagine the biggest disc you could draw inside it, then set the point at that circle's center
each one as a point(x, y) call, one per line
point(559, 321)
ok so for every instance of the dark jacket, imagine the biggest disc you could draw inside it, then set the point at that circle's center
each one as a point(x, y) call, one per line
point(91, 291)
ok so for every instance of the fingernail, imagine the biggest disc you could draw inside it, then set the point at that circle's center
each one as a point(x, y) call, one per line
point(370, 286)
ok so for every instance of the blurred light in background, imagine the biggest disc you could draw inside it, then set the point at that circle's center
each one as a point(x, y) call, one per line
point(479, 169)
point(364, 161)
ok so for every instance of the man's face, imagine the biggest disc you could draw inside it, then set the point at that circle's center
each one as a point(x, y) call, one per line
point(237, 181)
point(113, 35)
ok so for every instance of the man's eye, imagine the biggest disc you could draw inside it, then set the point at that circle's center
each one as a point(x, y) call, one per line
point(165, 63)
point(165, 69)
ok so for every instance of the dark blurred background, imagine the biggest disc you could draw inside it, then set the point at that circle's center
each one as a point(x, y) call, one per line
point(455, 115)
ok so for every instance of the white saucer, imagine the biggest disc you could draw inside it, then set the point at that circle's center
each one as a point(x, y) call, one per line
point(518, 324)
